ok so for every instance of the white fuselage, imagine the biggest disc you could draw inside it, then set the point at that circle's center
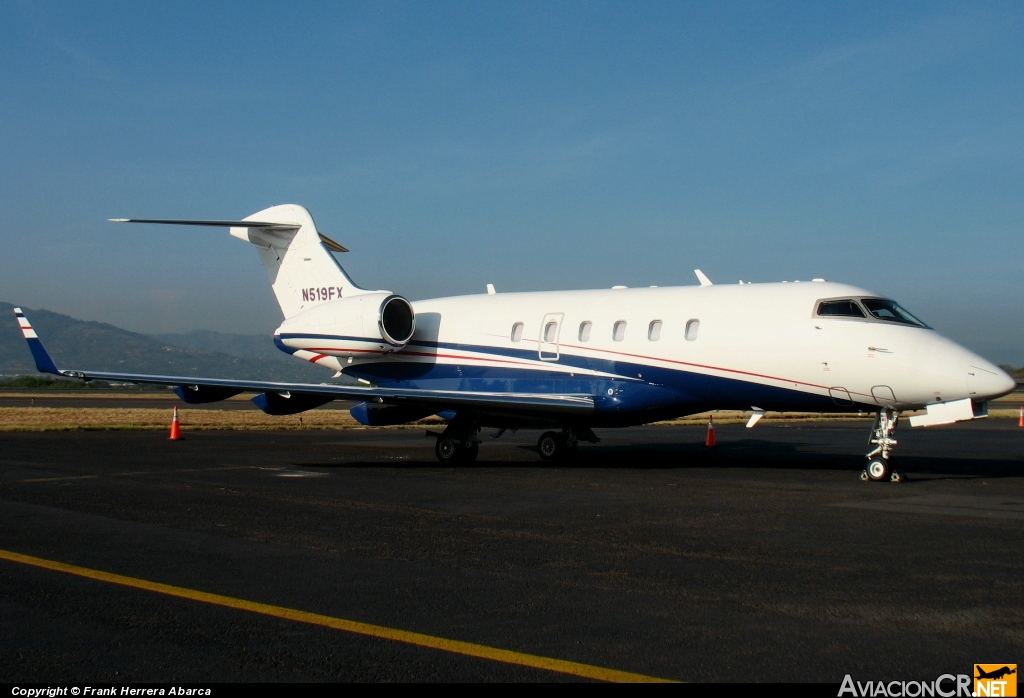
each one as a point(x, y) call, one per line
point(680, 350)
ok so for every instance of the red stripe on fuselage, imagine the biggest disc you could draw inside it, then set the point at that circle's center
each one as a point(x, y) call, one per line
point(604, 351)
point(684, 363)
point(419, 353)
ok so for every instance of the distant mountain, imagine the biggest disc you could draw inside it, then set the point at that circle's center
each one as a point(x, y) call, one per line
point(101, 347)
point(249, 346)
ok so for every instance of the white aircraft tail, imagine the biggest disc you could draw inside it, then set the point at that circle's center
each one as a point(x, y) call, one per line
point(298, 259)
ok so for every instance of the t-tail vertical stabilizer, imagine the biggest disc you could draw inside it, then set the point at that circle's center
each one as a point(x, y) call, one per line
point(297, 257)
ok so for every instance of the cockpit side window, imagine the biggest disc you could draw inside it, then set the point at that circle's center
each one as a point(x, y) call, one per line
point(842, 307)
point(890, 311)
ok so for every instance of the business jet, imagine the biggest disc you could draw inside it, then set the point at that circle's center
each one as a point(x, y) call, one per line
point(569, 362)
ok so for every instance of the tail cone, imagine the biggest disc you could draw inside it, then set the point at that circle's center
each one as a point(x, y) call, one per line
point(710, 441)
point(1021, 422)
point(175, 426)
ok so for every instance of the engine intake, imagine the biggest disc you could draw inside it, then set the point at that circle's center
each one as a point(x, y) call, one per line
point(397, 320)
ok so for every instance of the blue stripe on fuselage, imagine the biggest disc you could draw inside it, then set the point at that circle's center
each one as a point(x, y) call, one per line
point(281, 345)
point(639, 390)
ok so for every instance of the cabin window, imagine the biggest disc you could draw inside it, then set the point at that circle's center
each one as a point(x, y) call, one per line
point(844, 307)
point(619, 331)
point(585, 330)
point(654, 331)
point(550, 332)
point(517, 331)
point(691, 330)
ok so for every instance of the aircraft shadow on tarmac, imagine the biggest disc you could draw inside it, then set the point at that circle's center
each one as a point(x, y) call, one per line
point(751, 454)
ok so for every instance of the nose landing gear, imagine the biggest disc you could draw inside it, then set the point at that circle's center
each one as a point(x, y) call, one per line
point(879, 468)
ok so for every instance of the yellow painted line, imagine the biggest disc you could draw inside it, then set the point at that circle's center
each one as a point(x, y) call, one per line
point(125, 474)
point(469, 649)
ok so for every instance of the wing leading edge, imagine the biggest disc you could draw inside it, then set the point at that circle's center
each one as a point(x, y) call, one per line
point(289, 398)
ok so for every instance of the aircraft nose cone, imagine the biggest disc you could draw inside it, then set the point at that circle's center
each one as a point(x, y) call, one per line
point(1007, 384)
point(988, 381)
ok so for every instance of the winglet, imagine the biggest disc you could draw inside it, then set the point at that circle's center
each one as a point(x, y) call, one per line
point(702, 278)
point(44, 364)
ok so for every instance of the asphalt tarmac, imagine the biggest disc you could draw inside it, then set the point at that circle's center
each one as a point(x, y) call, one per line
point(764, 559)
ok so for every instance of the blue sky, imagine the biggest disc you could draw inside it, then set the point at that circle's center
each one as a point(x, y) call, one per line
point(531, 145)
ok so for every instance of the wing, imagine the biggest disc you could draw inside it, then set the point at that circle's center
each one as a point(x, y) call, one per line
point(290, 398)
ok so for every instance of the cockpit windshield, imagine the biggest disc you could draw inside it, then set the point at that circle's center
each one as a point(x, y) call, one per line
point(843, 307)
point(890, 311)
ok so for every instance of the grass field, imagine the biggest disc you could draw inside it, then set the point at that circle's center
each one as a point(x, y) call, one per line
point(42, 418)
point(102, 418)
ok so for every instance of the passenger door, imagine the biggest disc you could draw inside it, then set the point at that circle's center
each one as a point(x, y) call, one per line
point(549, 332)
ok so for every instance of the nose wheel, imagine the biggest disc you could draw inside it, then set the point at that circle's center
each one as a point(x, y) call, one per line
point(879, 466)
point(877, 470)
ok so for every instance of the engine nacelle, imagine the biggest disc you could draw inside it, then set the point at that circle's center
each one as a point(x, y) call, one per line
point(359, 326)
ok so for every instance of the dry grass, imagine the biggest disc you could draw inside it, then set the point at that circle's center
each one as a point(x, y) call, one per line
point(155, 395)
point(73, 418)
point(101, 418)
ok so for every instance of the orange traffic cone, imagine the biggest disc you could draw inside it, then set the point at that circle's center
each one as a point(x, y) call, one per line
point(710, 441)
point(175, 426)
point(1021, 422)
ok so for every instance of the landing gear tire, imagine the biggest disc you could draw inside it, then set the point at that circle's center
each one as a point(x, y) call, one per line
point(551, 445)
point(878, 469)
point(447, 450)
point(458, 443)
point(881, 437)
point(452, 451)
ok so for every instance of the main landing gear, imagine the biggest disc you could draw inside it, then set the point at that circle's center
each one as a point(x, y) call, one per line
point(449, 450)
point(458, 443)
point(554, 445)
point(879, 466)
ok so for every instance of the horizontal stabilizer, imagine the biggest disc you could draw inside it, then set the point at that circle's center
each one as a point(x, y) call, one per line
point(262, 225)
point(296, 256)
point(213, 224)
